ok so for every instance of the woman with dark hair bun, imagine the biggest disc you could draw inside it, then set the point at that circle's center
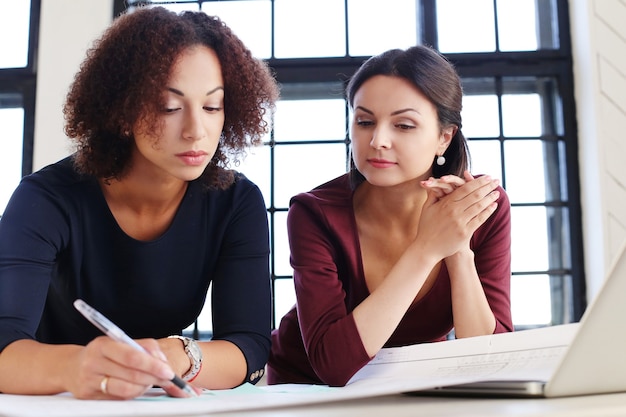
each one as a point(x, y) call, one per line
point(142, 219)
point(408, 247)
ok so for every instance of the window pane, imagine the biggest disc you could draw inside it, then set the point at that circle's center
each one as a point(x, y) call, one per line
point(529, 239)
point(281, 244)
point(465, 26)
point(284, 296)
point(175, 7)
point(480, 116)
point(521, 115)
point(14, 31)
point(561, 288)
point(559, 238)
point(531, 300)
point(300, 120)
point(302, 167)
point(309, 29)
point(525, 174)
point(485, 157)
point(397, 19)
point(257, 167)
point(517, 26)
point(205, 321)
point(12, 122)
point(251, 20)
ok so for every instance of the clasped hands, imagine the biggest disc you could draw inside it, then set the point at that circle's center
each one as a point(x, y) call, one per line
point(455, 208)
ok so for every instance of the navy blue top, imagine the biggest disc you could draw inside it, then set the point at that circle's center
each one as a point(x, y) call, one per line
point(59, 241)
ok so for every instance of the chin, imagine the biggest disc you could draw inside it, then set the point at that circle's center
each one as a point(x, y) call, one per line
point(190, 175)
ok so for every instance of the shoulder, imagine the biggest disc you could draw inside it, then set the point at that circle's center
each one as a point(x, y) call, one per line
point(58, 181)
point(58, 173)
point(328, 206)
point(497, 228)
point(241, 194)
point(336, 192)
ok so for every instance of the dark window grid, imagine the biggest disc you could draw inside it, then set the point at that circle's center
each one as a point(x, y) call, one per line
point(551, 64)
point(510, 61)
point(273, 208)
point(18, 88)
point(547, 11)
point(536, 63)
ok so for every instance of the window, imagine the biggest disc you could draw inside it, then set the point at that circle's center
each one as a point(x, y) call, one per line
point(18, 42)
point(514, 58)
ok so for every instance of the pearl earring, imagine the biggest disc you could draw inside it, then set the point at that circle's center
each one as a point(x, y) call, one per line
point(441, 160)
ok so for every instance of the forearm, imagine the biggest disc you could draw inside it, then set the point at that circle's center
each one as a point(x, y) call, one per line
point(380, 313)
point(470, 308)
point(30, 367)
point(223, 364)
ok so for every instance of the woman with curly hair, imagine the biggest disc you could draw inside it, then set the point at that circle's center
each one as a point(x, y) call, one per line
point(142, 219)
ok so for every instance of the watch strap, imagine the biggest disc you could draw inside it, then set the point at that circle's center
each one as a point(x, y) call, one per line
point(194, 353)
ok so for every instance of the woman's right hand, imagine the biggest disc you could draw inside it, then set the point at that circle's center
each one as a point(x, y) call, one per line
point(450, 217)
point(106, 369)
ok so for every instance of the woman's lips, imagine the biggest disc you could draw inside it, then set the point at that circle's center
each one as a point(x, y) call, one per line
point(380, 163)
point(193, 158)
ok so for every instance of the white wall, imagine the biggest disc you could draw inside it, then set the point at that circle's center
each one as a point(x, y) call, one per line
point(63, 40)
point(599, 49)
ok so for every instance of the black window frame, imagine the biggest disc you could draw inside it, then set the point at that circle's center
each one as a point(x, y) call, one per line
point(569, 302)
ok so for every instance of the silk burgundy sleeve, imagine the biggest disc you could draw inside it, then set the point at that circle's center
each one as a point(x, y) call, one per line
point(330, 336)
point(492, 255)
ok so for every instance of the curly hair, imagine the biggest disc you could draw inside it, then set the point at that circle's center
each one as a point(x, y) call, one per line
point(121, 81)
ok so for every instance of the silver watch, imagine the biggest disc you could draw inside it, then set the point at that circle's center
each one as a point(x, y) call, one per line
point(194, 353)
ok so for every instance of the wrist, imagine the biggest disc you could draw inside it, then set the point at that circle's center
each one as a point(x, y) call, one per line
point(194, 355)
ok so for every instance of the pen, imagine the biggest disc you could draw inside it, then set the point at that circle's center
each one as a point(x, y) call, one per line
point(115, 333)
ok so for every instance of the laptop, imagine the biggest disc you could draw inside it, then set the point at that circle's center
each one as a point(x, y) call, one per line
point(592, 363)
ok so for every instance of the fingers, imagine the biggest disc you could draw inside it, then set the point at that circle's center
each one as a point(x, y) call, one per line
point(114, 388)
point(173, 391)
point(478, 200)
point(446, 184)
point(113, 370)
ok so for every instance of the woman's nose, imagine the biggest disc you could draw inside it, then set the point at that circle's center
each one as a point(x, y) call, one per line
point(380, 140)
point(194, 128)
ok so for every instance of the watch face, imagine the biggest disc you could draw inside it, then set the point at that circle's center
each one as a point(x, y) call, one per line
point(194, 349)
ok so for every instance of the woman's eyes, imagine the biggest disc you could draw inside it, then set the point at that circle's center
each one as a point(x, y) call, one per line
point(401, 126)
point(209, 109)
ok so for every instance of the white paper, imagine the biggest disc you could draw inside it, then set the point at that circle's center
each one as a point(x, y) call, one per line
point(523, 354)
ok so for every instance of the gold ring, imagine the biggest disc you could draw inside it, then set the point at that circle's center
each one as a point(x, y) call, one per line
point(103, 385)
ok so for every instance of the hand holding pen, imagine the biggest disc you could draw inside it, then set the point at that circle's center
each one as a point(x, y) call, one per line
point(114, 332)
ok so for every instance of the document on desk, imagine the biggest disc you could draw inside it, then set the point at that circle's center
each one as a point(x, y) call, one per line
point(523, 355)
point(395, 370)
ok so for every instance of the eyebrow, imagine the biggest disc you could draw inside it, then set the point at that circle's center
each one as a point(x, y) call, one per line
point(180, 93)
point(392, 113)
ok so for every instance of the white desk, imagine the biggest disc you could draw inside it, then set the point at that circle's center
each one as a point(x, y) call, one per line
point(611, 405)
point(397, 405)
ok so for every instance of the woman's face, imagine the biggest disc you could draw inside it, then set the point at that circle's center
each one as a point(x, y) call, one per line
point(191, 120)
point(395, 132)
